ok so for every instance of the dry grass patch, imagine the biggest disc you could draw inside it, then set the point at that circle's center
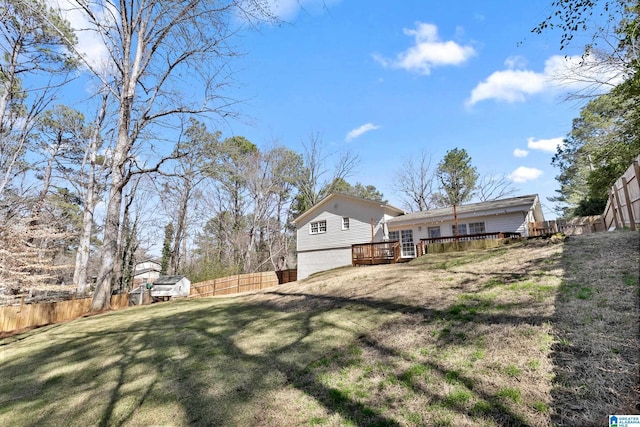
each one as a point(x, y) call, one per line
point(449, 339)
point(597, 351)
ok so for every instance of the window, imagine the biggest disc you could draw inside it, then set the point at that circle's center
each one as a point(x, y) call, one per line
point(345, 223)
point(476, 227)
point(407, 248)
point(434, 232)
point(394, 236)
point(462, 229)
point(318, 227)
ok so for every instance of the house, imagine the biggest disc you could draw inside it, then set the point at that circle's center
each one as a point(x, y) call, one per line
point(510, 215)
point(146, 271)
point(167, 287)
point(326, 232)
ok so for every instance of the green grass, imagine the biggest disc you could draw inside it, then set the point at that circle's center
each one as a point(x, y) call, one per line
point(510, 394)
point(631, 279)
point(416, 349)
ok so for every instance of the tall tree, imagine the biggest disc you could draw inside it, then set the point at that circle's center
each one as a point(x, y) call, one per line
point(603, 141)
point(29, 48)
point(493, 187)
point(153, 48)
point(339, 185)
point(319, 174)
point(414, 182)
point(167, 245)
point(196, 154)
point(457, 179)
point(61, 135)
point(91, 177)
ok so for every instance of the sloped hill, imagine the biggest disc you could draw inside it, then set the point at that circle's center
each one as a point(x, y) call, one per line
point(497, 337)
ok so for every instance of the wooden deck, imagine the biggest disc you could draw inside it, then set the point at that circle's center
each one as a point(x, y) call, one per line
point(375, 253)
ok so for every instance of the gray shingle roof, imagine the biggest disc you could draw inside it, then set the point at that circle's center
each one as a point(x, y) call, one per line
point(168, 280)
point(514, 204)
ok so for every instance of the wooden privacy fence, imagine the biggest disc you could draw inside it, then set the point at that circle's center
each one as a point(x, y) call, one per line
point(286, 276)
point(15, 317)
point(623, 206)
point(573, 226)
point(234, 284)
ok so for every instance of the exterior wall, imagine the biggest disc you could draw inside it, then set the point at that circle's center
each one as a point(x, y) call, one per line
point(509, 222)
point(179, 289)
point(359, 231)
point(148, 265)
point(321, 260)
point(147, 276)
point(514, 222)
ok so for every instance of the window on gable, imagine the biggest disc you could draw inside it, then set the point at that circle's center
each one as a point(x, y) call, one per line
point(476, 227)
point(317, 227)
point(345, 223)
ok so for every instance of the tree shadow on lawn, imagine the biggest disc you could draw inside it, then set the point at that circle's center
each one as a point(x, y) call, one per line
point(197, 363)
point(193, 363)
point(597, 344)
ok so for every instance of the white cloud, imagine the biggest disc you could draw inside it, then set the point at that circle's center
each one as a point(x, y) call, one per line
point(549, 145)
point(509, 85)
point(89, 45)
point(427, 52)
point(355, 133)
point(520, 153)
point(524, 174)
point(560, 74)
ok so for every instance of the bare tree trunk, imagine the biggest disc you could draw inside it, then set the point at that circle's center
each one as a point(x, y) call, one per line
point(102, 295)
point(90, 202)
point(175, 259)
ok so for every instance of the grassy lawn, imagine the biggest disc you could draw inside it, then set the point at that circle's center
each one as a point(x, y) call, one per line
point(530, 334)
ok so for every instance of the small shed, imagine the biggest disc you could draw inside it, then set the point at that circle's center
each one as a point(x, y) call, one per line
point(167, 287)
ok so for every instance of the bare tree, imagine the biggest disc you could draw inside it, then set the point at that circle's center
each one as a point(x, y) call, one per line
point(153, 48)
point(493, 187)
point(316, 179)
point(414, 182)
point(90, 174)
point(196, 153)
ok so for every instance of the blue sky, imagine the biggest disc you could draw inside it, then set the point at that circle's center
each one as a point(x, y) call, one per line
point(386, 80)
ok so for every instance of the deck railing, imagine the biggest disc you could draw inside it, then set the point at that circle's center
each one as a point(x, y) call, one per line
point(466, 237)
point(422, 247)
point(375, 253)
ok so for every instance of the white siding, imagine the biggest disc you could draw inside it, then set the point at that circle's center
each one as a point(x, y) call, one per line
point(509, 222)
point(359, 231)
point(314, 261)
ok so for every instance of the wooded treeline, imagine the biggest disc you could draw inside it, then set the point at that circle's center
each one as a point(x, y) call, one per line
point(605, 138)
point(86, 191)
point(89, 185)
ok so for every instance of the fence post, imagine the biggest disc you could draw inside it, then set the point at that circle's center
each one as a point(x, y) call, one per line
point(632, 221)
point(617, 195)
point(636, 169)
point(612, 204)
